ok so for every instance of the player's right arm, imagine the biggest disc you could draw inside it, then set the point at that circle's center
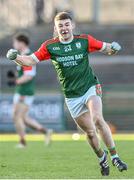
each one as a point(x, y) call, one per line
point(40, 55)
point(25, 60)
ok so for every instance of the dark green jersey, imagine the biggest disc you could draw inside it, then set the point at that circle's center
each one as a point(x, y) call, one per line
point(71, 62)
point(28, 88)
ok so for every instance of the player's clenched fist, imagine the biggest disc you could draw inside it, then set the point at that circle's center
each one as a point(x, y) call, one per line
point(115, 46)
point(12, 54)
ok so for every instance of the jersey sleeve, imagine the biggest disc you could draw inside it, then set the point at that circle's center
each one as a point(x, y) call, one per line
point(29, 70)
point(41, 54)
point(95, 45)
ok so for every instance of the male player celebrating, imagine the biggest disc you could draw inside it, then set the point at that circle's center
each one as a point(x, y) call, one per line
point(82, 89)
point(24, 94)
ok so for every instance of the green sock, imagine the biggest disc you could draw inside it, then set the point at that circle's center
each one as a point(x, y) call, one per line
point(102, 158)
point(113, 153)
point(99, 152)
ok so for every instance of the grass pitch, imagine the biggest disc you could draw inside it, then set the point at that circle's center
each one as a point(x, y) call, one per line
point(62, 159)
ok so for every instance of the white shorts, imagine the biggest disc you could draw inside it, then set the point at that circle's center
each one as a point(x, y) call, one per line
point(28, 100)
point(77, 106)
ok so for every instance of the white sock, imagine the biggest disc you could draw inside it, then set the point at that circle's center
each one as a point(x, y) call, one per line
point(114, 156)
point(102, 158)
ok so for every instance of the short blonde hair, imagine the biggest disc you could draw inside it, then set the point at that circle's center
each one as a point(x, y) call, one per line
point(63, 15)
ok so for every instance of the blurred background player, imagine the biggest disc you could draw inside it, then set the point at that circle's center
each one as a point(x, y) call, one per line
point(81, 87)
point(24, 94)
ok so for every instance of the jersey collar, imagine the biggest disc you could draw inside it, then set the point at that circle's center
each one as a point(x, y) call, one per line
point(67, 42)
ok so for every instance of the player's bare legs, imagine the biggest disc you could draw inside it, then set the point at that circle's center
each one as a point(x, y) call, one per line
point(22, 120)
point(87, 125)
point(32, 123)
point(94, 105)
point(85, 122)
point(19, 122)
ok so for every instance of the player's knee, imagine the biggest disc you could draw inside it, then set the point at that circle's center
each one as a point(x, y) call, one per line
point(97, 117)
point(90, 133)
point(101, 124)
point(17, 116)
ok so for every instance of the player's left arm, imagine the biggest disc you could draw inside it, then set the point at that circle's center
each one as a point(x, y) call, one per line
point(111, 48)
point(28, 74)
point(107, 48)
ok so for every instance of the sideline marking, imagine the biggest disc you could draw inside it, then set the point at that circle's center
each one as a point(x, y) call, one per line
point(60, 137)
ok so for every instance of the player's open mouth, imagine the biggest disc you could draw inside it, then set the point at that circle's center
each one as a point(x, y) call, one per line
point(64, 32)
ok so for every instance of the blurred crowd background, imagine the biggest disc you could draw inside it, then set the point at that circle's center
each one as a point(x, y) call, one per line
point(107, 20)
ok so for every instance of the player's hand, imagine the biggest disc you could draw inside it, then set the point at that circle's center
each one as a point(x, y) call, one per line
point(12, 54)
point(115, 47)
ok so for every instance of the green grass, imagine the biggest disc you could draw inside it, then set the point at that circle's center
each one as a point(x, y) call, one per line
point(63, 159)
